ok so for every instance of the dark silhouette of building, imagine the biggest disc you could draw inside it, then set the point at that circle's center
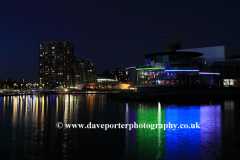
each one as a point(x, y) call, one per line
point(106, 77)
point(116, 76)
point(121, 75)
point(229, 72)
point(85, 71)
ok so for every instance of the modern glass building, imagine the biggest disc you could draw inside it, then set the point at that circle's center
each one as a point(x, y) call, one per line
point(173, 67)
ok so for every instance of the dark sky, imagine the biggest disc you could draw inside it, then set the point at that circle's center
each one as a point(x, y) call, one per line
point(114, 33)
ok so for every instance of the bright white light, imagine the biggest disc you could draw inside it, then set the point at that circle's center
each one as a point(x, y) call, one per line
point(159, 107)
point(228, 82)
point(209, 73)
point(185, 70)
point(130, 68)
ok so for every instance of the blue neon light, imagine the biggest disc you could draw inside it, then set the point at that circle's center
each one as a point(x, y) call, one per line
point(191, 137)
point(186, 70)
point(149, 60)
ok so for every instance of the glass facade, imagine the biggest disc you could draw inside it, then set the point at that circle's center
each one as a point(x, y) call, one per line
point(159, 77)
point(174, 77)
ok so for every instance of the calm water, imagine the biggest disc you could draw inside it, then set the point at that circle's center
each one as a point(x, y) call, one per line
point(28, 128)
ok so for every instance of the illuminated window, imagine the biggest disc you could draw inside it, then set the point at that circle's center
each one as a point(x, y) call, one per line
point(228, 82)
point(53, 47)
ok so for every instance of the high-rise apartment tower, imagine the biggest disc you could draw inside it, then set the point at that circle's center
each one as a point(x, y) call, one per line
point(56, 64)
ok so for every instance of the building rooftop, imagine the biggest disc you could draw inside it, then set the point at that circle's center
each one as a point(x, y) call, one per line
point(185, 53)
point(54, 42)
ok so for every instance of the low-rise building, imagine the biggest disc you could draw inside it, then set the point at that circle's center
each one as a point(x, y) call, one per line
point(173, 67)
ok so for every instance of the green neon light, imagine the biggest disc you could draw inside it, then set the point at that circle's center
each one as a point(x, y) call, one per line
point(139, 69)
point(156, 138)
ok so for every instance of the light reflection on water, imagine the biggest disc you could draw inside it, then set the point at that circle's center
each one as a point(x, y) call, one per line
point(28, 127)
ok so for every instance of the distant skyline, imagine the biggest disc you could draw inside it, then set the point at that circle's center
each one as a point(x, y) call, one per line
point(113, 34)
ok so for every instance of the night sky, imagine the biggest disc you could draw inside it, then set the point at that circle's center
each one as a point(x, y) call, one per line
point(113, 34)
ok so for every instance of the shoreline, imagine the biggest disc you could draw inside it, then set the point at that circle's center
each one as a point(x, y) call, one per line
point(149, 93)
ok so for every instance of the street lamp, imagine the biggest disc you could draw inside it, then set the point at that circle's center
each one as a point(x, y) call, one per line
point(43, 86)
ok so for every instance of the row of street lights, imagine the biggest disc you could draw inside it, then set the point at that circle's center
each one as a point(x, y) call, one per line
point(35, 86)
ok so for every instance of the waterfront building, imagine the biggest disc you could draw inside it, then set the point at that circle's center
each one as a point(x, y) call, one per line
point(220, 59)
point(85, 71)
point(112, 79)
point(213, 54)
point(106, 77)
point(108, 80)
point(121, 76)
point(59, 67)
point(173, 66)
point(118, 76)
point(229, 72)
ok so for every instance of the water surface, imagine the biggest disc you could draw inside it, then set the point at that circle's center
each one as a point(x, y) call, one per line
point(28, 128)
